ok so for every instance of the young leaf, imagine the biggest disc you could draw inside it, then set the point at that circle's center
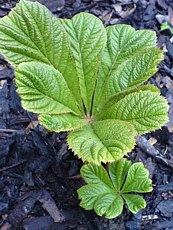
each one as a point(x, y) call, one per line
point(103, 191)
point(102, 199)
point(110, 204)
point(87, 37)
point(134, 202)
point(118, 172)
point(135, 181)
point(97, 174)
point(102, 141)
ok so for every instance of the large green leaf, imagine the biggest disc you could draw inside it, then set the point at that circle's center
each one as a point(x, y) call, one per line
point(131, 73)
point(31, 33)
point(123, 43)
point(146, 110)
point(134, 71)
point(103, 191)
point(88, 39)
point(118, 96)
point(102, 141)
point(41, 93)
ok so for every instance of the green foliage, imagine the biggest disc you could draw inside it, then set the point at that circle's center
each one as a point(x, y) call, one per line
point(93, 145)
point(87, 79)
point(166, 26)
point(80, 77)
point(106, 192)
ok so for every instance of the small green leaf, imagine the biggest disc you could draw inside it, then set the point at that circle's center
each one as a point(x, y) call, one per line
point(61, 122)
point(146, 110)
point(102, 141)
point(103, 191)
point(166, 26)
point(137, 179)
point(99, 194)
point(118, 172)
point(97, 174)
point(90, 193)
point(109, 204)
point(134, 202)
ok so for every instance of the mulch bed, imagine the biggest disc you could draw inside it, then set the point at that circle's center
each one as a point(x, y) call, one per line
point(38, 179)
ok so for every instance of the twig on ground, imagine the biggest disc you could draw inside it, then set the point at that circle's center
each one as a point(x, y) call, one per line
point(11, 131)
point(12, 166)
point(75, 177)
point(149, 149)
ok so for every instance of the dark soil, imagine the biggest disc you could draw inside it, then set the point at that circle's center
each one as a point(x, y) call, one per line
point(38, 172)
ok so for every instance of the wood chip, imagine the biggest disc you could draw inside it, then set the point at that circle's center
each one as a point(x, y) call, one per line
point(152, 141)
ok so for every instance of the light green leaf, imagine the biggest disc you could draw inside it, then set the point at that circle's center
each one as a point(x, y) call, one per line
point(99, 194)
point(61, 122)
point(134, 202)
point(92, 172)
point(41, 93)
point(25, 38)
point(137, 179)
point(103, 190)
point(90, 193)
point(31, 33)
point(111, 204)
point(102, 141)
point(87, 37)
point(135, 70)
point(118, 172)
point(118, 96)
point(123, 42)
point(145, 110)
point(102, 199)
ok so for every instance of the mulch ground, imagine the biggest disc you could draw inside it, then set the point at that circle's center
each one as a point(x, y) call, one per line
point(38, 179)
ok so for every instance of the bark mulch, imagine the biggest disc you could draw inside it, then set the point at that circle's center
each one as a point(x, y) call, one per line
point(38, 179)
